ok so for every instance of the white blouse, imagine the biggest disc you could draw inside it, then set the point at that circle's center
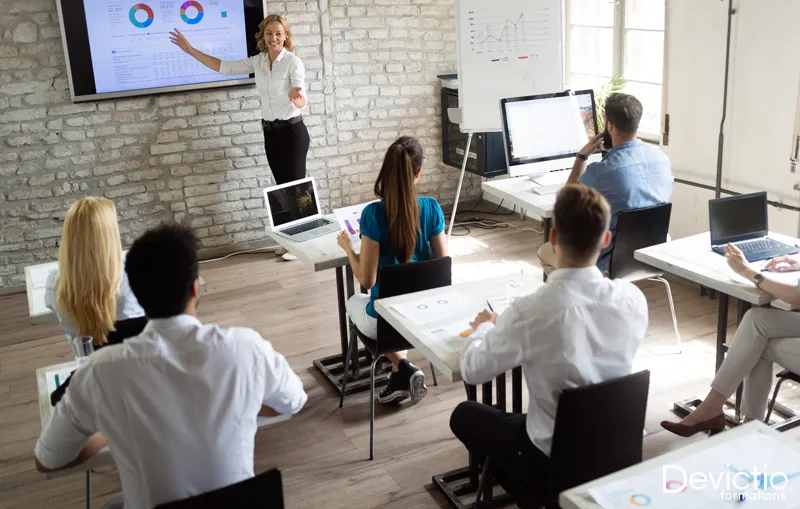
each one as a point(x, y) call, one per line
point(273, 84)
point(127, 305)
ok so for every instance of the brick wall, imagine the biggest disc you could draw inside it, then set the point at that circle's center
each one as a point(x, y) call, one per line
point(198, 158)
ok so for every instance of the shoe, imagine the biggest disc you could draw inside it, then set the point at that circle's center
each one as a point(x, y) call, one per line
point(713, 426)
point(396, 390)
point(416, 380)
point(288, 257)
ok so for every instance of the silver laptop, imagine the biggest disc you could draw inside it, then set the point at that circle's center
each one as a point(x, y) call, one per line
point(293, 211)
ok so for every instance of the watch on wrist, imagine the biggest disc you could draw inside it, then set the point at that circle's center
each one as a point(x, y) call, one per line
point(757, 279)
point(581, 156)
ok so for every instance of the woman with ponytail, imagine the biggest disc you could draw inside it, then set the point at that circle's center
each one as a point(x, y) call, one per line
point(400, 228)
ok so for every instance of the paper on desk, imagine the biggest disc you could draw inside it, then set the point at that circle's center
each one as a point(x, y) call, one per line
point(349, 219)
point(452, 335)
point(39, 275)
point(742, 461)
point(438, 308)
point(56, 378)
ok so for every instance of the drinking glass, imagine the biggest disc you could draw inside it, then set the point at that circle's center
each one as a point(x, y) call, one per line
point(515, 287)
point(82, 347)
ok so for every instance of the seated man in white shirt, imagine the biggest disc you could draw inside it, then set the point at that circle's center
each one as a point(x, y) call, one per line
point(177, 404)
point(579, 329)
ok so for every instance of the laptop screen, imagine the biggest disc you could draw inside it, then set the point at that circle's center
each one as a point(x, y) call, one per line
point(292, 203)
point(738, 218)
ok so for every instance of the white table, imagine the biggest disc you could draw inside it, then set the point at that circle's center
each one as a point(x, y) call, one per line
point(579, 498)
point(445, 354)
point(324, 253)
point(518, 191)
point(692, 258)
point(103, 458)
point(35, 282)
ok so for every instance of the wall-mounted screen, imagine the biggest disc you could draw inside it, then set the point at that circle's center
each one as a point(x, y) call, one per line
point(120, 48)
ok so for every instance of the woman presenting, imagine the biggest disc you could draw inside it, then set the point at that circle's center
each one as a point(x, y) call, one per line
point(280, 79)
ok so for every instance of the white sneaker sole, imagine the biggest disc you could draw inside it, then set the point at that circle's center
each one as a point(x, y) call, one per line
point(288, 257)
point(395, 397)
point(417, 386)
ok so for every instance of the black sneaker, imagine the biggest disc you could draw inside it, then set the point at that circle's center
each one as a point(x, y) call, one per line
point(396, 390)
point(416, 381)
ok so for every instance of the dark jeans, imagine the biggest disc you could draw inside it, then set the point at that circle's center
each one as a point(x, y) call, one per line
point(518, 465)
point(287, 149)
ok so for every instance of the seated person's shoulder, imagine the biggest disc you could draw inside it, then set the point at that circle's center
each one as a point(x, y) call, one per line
point(630, 293)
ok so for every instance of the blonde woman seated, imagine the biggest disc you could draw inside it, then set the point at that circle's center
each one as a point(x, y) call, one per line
point(90, 291)
point(764, 336)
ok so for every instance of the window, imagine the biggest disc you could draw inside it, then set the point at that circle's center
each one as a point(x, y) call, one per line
point(623, 38)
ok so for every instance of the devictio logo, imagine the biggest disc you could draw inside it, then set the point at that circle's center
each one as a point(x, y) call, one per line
point(731, 484)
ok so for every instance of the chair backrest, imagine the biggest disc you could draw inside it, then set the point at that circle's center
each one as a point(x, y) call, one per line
point(264, 491)
point(637, 229)
point(405, 278)
point(598, 430)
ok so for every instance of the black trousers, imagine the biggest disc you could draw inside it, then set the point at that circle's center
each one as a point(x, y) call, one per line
point(287, 150)
point(518, 465)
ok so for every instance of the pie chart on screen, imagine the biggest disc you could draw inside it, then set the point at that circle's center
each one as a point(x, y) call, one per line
point(191, 12)
point(141, 15)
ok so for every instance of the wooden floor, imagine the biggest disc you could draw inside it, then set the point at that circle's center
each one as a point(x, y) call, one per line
point(323, 451)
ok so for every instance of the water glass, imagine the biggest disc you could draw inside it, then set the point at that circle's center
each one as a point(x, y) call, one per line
point(82, 347)
point(515, 287)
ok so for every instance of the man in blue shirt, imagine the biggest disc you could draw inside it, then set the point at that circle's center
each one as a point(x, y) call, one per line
point(632, 175)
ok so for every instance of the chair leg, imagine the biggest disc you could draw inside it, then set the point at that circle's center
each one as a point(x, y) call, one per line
point(672, 310)
point(433, 374)
point(350, 346)
point(774, 398)
point(482, 483)
point(372, 407)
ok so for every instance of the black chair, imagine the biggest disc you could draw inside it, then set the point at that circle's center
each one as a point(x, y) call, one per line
point(782, 377)
point(394, 280)
point(598, 431)
point(638, 229)
point(264, 491)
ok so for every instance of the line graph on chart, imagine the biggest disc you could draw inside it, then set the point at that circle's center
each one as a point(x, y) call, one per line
point(523, 34)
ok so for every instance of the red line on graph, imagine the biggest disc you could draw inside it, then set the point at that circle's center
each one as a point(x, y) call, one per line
point(522, 58)
point(508, 20)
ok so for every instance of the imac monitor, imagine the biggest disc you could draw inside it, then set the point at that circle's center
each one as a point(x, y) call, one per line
point(544, 132)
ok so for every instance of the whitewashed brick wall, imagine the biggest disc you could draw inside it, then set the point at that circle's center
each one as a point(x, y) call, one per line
point(198, 158)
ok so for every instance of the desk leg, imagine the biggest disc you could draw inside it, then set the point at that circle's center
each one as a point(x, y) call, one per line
point(88, 489)
point(516, 390)
point(332, 367)
point(546, 225)
point(743, 308)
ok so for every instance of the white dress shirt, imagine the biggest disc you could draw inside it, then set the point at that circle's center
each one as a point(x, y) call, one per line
point(178, 405)
point(579, 329)
point(273, 84)
point(127, 305)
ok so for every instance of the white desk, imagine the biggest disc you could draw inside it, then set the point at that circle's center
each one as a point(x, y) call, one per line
point(692, 258)
point(324, 253)
point(579, 498)
point(445, 354)
point(35, 280)
point(517, 191)
point(103, 458)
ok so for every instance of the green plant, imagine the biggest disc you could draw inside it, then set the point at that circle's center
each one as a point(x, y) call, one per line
point(614, 84)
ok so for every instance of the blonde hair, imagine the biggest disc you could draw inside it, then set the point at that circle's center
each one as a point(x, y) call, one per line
point(90, 267)
point(262, 27)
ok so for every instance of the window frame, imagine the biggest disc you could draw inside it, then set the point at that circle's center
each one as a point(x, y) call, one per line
point(618, 61)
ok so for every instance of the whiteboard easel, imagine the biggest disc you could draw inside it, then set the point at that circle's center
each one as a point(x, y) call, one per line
point(505, 48)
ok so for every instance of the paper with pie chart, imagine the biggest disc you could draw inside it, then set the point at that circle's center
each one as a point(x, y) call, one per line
point(130, 47)
point(438, 308)
point(746, 459)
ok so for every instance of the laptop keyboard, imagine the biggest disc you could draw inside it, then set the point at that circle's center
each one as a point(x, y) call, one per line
point(300, 228)
point(760, 245)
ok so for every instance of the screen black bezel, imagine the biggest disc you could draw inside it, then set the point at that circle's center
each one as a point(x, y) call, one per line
point(745, 236)
point(82, 85)
point(508, 146)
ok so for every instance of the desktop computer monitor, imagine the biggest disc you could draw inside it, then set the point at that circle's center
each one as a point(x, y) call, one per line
point(544, 132)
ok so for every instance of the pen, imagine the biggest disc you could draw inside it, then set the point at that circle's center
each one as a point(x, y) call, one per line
point(490, 305)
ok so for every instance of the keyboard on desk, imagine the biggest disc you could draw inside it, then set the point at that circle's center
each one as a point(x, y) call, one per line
point(304, 227)
point(759, 245)
point(761, 249)
point(547, 189)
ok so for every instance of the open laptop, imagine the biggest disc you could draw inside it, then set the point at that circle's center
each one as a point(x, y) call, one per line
point(742, 221)
point(293, 210)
